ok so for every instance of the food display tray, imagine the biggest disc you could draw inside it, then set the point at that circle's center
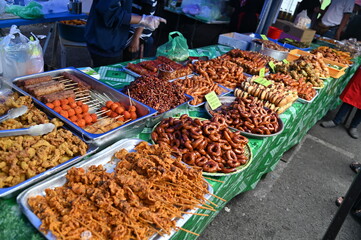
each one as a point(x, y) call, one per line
point(301, 100)
point(128, 129)
point(229, 100)
point(104, 158)
point(12, 191)
point(157, 118)
point(247, 152)
point(136, 75)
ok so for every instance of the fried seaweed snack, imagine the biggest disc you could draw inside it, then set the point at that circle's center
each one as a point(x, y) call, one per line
point(142, 197)
point(22, 157)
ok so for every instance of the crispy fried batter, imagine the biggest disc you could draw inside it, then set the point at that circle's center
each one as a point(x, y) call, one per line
point(23, 157)
point(144, 195)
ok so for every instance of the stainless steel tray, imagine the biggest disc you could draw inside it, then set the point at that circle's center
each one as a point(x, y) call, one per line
point(229, 100)
point(157, 118)
point(129, 129)
point(105, 158)
point(14, 190)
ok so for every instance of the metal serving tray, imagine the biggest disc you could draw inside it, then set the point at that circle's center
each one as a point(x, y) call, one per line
point(104, 158)
point(14, 190)
point(129, 129)
point(229, 100)
point(157, 118)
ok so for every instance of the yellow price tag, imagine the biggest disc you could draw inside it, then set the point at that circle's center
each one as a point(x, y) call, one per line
point(262, 81)
point(262, 71)
point(213, 100)
point(272, 65)
point(264, 37)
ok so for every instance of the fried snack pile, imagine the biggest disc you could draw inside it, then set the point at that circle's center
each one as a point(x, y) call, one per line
point(333, 54)
point(22, 157)
point(310, 68)
point(198, 87)
point(142, 197)
point(207, 144)
point(304, 89)
point(158, 94)
point(220, 70)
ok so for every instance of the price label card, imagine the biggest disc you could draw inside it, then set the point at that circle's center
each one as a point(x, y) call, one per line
point(272, 65)
point(285, 61)
point(263, 81)
point(264, 37)
point(213, 100)
point(262, 71)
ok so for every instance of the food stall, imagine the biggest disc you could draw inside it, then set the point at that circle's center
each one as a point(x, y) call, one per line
point(262, 150)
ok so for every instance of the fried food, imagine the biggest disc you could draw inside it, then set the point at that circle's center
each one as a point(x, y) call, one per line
point(144, 195)
point(22, 157)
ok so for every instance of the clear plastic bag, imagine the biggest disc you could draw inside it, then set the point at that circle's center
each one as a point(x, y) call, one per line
point(302, 20)
point(176, 48)
point(19, 55)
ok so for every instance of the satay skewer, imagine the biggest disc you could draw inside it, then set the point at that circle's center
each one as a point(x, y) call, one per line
point(218, 197)
point(187, 231)
point(198, 214)
point(212, 202)
point(212, 179)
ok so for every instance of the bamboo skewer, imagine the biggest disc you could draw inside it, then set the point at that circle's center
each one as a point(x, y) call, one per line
point(71, 84)
point(212, 202)
point(198, 214)
point(212, 179)
point(58, 77)
point(187, 231)
point(218, 197)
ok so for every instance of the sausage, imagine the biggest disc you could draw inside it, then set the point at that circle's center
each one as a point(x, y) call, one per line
point(52, 88)
point(29, 88)
point(32, 81)
point(81, 83)
point(57, 95)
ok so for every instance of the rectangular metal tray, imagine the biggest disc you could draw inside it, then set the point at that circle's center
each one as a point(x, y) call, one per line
point(153, 120)
point(102, 158)
point(129, 129)
point(134, 74)
point(14, 190)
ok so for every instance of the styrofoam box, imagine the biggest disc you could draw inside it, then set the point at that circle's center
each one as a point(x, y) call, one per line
point(236, 40)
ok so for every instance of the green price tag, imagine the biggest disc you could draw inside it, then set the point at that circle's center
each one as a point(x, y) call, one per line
point(262, 72)
point(272, 65)
point(213, 100)
point(285, 61)
point(262, 81)
point(264, 37)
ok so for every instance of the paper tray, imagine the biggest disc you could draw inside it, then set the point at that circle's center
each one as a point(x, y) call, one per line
point(129, 129)
point(102, 158)
point(12, 191)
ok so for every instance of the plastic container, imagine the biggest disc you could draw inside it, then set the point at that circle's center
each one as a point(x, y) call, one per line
point(274, 32)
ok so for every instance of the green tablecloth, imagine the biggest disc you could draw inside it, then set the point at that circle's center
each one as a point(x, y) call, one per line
point(298, 119)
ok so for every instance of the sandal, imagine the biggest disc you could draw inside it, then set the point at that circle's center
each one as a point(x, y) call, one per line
point(339, 201)
point(355, 166)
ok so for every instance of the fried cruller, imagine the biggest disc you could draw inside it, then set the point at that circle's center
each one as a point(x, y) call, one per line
point(143, 196)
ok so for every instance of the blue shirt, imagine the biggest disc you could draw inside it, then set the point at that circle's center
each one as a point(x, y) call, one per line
point(107, 28)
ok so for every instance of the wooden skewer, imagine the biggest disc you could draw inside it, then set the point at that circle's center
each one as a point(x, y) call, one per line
point(212, 202)
point(212, 179)
point(187, 231)
point(102, 111)
point(198, 214)
point(65, 80)
point(58, 77)
point(119, 116)
point(80, 98)
point(70, 88)
point(218, 197)
point(72, 84)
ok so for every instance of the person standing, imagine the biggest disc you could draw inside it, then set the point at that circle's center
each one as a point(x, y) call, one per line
point(107, 29)
point(335, 18)
point(351, 97)
point(140, 41)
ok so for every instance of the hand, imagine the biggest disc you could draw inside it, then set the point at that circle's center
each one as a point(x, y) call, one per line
point(134, 45)
point(151, 22)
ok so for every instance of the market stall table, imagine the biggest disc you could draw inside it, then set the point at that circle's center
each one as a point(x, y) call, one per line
point(298, 119)
point(6, 21)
